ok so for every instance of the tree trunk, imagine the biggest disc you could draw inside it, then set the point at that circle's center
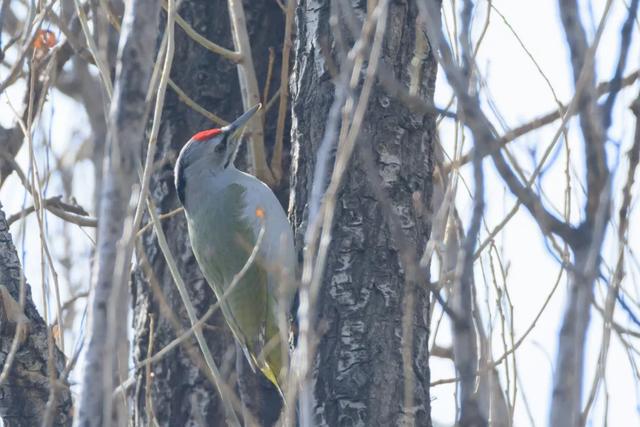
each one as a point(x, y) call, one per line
point(358, 375)
point(105, 358)
point(178, 392)
point(566, 406)
point(27, 388)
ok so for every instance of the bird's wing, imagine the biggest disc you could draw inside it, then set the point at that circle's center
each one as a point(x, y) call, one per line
point(222, 240)
point(277, 253)
point(276, 257)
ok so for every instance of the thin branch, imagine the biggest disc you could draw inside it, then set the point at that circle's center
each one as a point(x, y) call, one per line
point(465, 341)
point(162, 217)
point(625, 45)
point(591, 119)
point(482, 130)
point(541, 121)
point(34, 106)
point(276, 159)
point(212, 310)
point(568, 381)
point(528, 53)
point(618, 274)
point(103, 69)
point(16, 69)
point(498, 361)
point(155, 127)
point(223, 389)
point(65, 211)
point(250, 91)
point(151, 416)
point(195, 106)
point(267, 80)
point(127, 120)
point(232, 56)
point(413, 102)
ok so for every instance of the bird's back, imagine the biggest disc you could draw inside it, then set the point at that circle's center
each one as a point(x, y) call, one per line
point(224, 232)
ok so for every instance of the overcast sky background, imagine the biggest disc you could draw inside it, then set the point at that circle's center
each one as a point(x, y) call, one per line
point(519, 93)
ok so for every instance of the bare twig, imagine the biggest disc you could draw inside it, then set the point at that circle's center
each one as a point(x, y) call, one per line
point(103, 69)
point(618, 274)
point(195, 106)
point(465, 347)
point(249, 90)
point(498, 361)
point(567, 388)
point(162, 217)
point(267, 80)
point(276, 159)
point(15, 71)
point(126, 126)
point(34, 105)
point(148, 377)
point(212, 310)
point(65, 211)
point(541, 121)
point(625, 44)
point(482, 130)
point(223, 389)
point(234, 57)
point(591, 119)
point(415, 103)
point(123, 258)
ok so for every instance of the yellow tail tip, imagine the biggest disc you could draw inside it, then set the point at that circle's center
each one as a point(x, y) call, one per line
point(272, 377)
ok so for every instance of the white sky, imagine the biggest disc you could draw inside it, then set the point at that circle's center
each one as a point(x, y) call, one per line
point(521, 94)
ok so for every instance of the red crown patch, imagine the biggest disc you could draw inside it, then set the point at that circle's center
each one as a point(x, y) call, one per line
point(206, 134)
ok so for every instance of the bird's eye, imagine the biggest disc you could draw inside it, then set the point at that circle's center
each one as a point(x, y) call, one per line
point(221, 146)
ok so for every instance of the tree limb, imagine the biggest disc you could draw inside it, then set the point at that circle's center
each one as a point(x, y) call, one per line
point(591, 123)
point(249, 90)
point(543, 120)
point(127, 121)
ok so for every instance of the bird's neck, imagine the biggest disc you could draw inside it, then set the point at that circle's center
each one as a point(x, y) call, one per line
point(203, 183)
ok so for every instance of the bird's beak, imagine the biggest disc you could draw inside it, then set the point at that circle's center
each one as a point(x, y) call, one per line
point(235, 129)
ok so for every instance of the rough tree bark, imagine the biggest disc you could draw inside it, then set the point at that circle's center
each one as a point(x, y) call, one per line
point(179, 393)
point(358, 374)
point(25, 392)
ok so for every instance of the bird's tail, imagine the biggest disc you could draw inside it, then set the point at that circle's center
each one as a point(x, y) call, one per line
point(272, 376)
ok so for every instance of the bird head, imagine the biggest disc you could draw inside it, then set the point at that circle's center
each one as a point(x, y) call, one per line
point(212, 150)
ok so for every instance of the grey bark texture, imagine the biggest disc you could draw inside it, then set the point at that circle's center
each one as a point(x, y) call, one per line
point(125, 136)
point(26, 391)
point(566, 406)
point(358, 373)
point(180, 393)
point(568, 378)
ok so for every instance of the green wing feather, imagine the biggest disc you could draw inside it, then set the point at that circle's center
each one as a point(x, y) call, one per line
point(223, 240)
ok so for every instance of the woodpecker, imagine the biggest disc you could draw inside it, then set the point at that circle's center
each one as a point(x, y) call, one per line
point(226, 212)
